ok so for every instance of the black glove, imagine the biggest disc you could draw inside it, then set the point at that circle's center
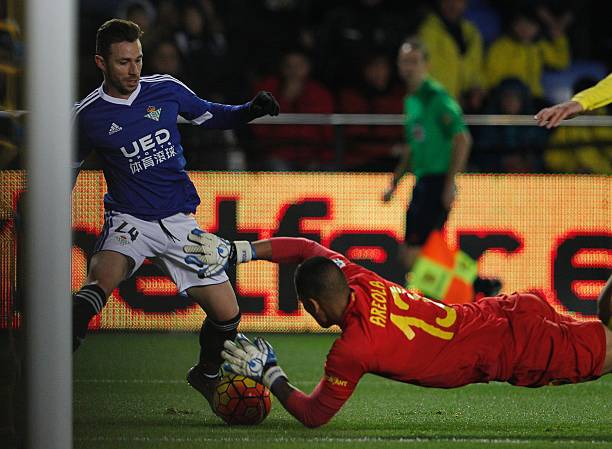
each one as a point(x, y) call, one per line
point(264, 103)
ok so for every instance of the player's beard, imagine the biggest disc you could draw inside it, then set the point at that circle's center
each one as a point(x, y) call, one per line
point(124, 86)
point(129, 85)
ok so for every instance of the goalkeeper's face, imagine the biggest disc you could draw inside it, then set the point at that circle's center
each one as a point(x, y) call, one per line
point(318, 312)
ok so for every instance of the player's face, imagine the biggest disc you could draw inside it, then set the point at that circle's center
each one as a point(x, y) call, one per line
point(122, 68)
point(411, 64)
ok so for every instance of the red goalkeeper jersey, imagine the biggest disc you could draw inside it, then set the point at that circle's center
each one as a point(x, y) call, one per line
point(400, 335)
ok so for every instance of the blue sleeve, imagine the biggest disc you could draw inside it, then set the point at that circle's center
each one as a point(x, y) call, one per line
point(83, 149)
point(206, 113)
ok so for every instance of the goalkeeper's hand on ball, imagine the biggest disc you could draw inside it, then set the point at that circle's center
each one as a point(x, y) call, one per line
point(213, 254)
point(255, 359)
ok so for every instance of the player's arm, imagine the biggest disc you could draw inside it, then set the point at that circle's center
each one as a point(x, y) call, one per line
point(257, 360)
point(214, 254)
point(224, 116)
point(462, 143)
point(451, 121)
point(83, 150)
point(400, 170)
point(217, 115)
point(592, 98)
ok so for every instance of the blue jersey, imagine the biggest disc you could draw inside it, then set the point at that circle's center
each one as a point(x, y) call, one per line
point(139, 144)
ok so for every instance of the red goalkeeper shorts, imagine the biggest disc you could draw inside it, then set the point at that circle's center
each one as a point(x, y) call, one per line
point(547, 347)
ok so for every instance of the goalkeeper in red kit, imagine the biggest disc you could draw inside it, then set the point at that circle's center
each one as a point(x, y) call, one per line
point(397, 334)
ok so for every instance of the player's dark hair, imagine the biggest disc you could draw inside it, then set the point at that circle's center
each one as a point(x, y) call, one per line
point(319, 278)
point(113, 31)
point(416, 44)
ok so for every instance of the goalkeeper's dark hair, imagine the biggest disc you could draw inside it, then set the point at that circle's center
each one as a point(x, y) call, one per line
point(113, 31)
point(319, 278)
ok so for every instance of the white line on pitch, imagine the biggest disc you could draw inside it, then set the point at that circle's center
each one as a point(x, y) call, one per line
point(260, 438)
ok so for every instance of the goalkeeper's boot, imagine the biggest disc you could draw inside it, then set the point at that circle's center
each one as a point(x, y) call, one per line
point(203, 383)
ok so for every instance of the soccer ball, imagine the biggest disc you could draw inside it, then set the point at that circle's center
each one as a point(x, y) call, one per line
point(241, 400)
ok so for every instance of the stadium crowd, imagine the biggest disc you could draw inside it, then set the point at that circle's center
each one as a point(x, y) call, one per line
point(503, 57)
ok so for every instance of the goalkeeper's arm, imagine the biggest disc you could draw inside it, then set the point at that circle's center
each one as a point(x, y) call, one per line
point(212, 254)
point(258, 360)
point(312, 410)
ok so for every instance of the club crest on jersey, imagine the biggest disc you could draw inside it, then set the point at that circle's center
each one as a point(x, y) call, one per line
point(153, 113)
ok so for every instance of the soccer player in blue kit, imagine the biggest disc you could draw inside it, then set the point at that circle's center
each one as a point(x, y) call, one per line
point(131, 122)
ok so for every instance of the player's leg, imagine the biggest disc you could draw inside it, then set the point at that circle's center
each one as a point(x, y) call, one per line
point(120, 250)
point(608, 360)
point(221, 323)
point(408, 255)
point(604, 304)
point(550, 347)
point(106, 270)
point(425, 214)
point(214, 294)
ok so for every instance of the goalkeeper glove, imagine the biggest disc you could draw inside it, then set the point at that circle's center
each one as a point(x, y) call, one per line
point(264, 103)
point(213, 254)
point(256, 359)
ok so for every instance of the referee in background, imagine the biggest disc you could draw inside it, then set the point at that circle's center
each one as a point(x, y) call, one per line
point(437, 148)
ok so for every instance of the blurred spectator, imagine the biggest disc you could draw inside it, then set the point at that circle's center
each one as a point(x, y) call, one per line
point(456, 52)
point(296, 147)
point(142, 13)
point(513, 149)
point(259, 31)
point(10, 64)
point(210, 68)
point(168, 20)
point(8, 144)
point(580, 149)
point(368, 147)
point(350, 31)
point(166, 59)
point(522, 53)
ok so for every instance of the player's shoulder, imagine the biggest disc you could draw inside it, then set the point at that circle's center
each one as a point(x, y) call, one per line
point(87, 102)
point(164, 81)
point(440, 96)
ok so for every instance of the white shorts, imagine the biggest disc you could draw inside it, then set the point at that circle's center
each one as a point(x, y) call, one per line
point(160, 240)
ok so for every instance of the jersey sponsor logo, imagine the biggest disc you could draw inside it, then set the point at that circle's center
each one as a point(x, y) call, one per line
point(378, 304)
point(153, 113)
point(114, 129)
point(336, 381)
point(156, 148)
point(147, 143)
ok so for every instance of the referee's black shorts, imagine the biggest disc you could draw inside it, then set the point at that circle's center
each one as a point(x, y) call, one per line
point(425, 211)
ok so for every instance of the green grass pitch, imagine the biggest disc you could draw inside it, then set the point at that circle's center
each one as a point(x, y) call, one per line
point(130, 392)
